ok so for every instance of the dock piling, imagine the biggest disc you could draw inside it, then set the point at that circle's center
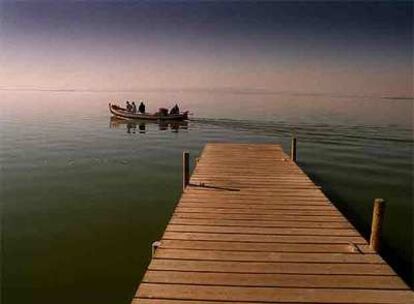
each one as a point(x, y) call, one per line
point(154, 247)
point(376, 226)
point(293, 148)
point(186, 169)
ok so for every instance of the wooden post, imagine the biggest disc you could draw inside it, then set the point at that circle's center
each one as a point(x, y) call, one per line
point(154, 247)
point(186, 169)
point(376, 226)
point(293, 148)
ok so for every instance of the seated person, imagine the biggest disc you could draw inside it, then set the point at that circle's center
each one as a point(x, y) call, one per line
point(175, 110)
point(141, 108)
point(133, 107)
point(128, 106)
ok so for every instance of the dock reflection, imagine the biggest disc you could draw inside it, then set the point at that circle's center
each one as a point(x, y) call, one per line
point(141, 126)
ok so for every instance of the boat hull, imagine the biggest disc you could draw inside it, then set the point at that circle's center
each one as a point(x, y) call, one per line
point(124, 114)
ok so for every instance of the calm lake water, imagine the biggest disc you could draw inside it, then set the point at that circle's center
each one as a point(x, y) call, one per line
point(83, 197)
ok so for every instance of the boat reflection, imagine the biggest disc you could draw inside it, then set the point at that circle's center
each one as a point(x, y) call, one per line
point(140, 126)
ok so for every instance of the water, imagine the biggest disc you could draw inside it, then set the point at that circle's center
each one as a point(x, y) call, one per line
point(83, 197)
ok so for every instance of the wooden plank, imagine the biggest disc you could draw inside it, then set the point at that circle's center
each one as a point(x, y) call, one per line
point(257, 207)
point(217, 195)
point(258, 247)
point(263, 170)
point(252, 192)
point(263, 267)
point(232, 195)
point(201, 175)
point(244, 211)
point(261, 217)
point(259, 223)
point(275, 280)
point(257, 201)
point(288, 257)
point(168, 301)
point(243, 176)
point(208, 193)
point(264, 182)
point(262, 230)
point(256, 188)
point(271, 294)
point(253, 238)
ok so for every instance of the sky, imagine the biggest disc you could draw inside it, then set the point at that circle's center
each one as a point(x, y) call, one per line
point(352, 48)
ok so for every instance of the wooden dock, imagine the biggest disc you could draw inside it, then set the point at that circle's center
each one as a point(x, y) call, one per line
point(253, 228)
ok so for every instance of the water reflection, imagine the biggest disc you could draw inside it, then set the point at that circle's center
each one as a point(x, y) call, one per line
point(140, 126)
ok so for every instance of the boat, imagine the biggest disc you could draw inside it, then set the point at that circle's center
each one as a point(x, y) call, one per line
point(122, 113)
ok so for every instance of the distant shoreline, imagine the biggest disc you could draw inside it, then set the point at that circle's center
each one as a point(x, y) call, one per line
point(399, 98)
point(218, 90)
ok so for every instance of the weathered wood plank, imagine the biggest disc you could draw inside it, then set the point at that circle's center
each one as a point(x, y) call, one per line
point(258, 207)
point(308, 257)
point(271, 294)
point(259, 223)
point(263, 267)
point(167, 301)
point(264, 238)
point(275, 280)
point(262, 230)
point(258, 247)
point(270, 212)
point(261, 217)
point(298, 202)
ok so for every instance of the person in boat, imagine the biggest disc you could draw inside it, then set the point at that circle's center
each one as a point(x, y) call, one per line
point(141, 108)
point(134, 107)
point(175, 110)
point(128, 106)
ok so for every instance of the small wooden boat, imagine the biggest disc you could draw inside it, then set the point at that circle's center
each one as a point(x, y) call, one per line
point(124, 114)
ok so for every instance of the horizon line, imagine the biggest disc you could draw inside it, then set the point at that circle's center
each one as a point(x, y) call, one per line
point(229, 90)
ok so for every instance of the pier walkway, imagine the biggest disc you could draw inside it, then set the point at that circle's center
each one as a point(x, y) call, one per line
point(253, 228)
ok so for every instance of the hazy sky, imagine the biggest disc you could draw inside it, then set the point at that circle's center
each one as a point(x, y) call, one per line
point(334, 47)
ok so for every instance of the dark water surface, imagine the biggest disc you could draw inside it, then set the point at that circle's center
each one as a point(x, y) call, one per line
point(83, 197)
